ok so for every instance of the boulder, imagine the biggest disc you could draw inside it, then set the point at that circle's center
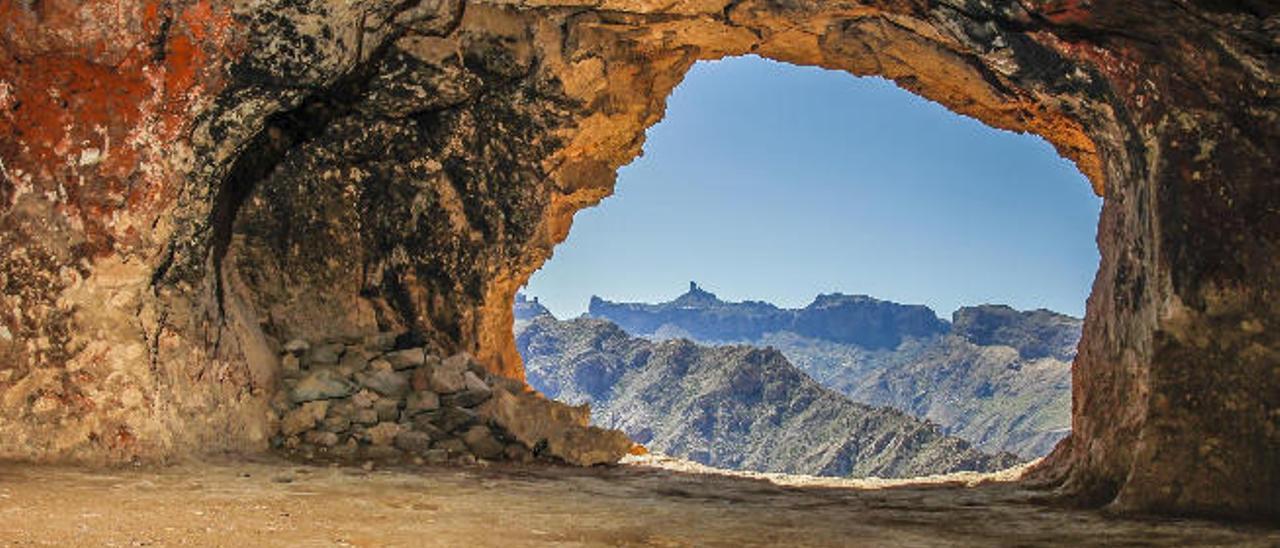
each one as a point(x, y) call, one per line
point(383, 434)
point(482, 442)
point(473, 382)
point(387, 409)
point(389, 384)
point(321, 438)
point(364, 416)
point(406, 359)
point(364, 399)
point(436, 456)
point(589, 446)
point(325, 354)
point(421, 377)
point(452, 419)
point(346, 450)
point(303, 418)
point(353, 360)
point(420, 402)
point(475, 392)
point(447, 377)
point(336, 424)
point(380, 342)
point(379, 364)
point(452, 445)
point(517, 452)
point(321, 384)
point(422, 423)
point(459, 362)
point(412, 441)
point(446, 382)
point(466, 398)
point(533, 420)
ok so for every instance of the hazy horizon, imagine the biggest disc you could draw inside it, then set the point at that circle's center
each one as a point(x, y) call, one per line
point(945, 315)
point(777, 183)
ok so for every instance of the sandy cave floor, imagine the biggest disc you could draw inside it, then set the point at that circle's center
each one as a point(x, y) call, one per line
point(654, 502)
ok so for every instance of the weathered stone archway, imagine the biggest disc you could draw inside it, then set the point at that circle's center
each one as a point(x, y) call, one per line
point(188, 183)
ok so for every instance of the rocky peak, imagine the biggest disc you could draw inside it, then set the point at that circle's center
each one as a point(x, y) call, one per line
point(699, 313)
point(849, 319)
point(1034, 333)
point(865, 321)
point(528, 309)
point(697, 297)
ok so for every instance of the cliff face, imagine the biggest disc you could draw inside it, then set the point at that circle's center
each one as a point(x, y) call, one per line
point(851, 319)
point(734, 407)
point(1034, 334)
point(996, 377)
point(185, 183)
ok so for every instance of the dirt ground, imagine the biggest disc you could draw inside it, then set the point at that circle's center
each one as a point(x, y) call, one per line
point(268, 502)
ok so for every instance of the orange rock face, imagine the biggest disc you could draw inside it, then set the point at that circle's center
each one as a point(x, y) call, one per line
point(185, 186)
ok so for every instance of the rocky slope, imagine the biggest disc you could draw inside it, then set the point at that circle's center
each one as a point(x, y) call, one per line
point(994, 376)
point(732, 406)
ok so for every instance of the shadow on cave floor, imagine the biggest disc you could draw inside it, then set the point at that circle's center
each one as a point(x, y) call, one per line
point(266, 501)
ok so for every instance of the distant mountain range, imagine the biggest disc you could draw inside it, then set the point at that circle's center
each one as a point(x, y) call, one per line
point(997, 377)
point(699, 315)
point(737, 407)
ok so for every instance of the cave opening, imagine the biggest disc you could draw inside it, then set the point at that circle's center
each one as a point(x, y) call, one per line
point(867, 256)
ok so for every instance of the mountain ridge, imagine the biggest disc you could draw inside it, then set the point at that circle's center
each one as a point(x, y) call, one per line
point(732, 406)
point(996, 376)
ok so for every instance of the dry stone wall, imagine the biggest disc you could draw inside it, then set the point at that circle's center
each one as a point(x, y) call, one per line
point(367, 401)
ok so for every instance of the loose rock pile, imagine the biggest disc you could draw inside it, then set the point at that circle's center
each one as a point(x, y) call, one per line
point(369, 401)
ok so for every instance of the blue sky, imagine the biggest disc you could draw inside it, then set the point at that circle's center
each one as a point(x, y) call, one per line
point(773, 182)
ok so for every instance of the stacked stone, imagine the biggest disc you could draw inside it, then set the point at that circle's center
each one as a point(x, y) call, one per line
point(368, 401)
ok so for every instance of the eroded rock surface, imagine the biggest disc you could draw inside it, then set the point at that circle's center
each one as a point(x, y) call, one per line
point(187, 185)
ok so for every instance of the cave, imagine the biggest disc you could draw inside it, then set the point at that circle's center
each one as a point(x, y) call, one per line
point(187, 184)
point(855, 229)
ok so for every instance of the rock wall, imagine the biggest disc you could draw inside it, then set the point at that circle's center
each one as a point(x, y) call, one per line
point(186, 184)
